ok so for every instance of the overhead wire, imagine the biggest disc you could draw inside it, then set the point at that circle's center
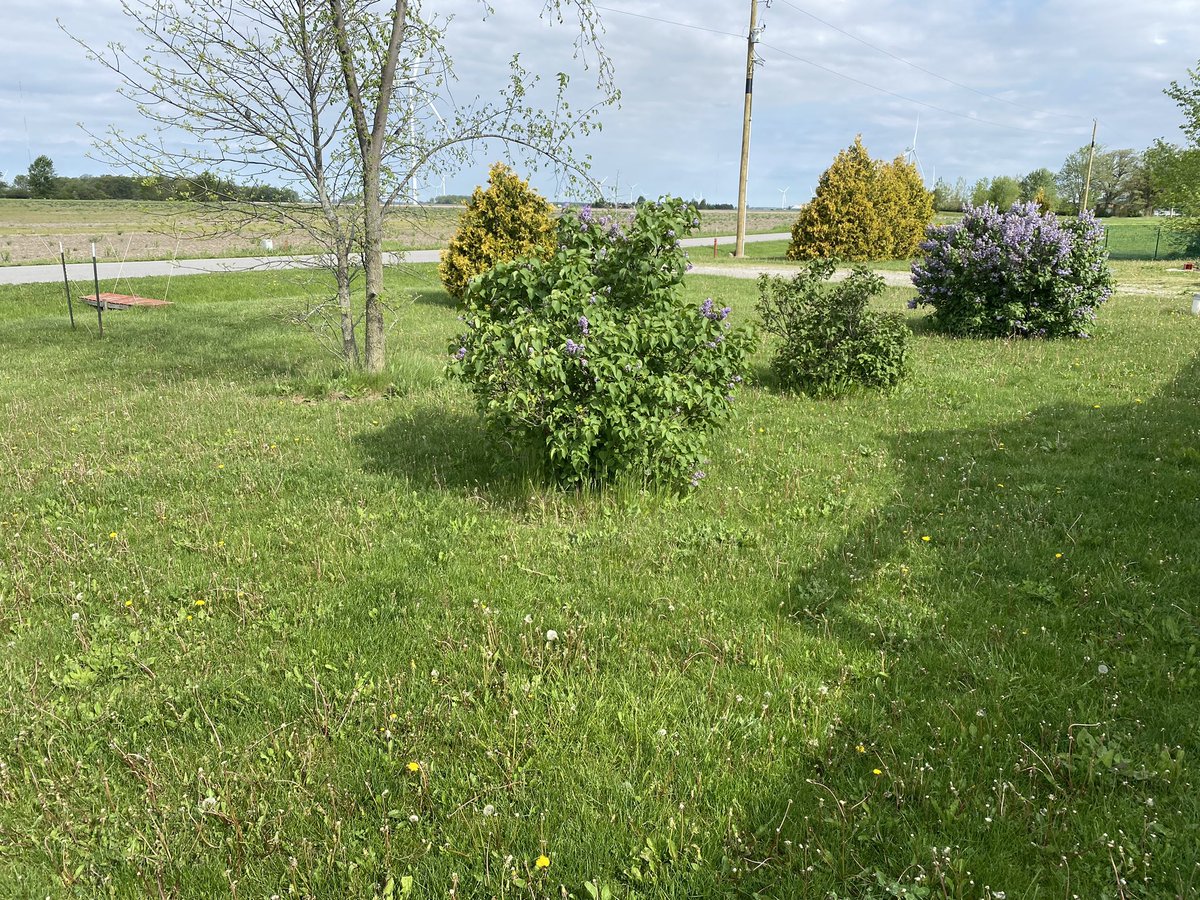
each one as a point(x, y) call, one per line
point(920, 68)
point(968, 117)
point(907, 99)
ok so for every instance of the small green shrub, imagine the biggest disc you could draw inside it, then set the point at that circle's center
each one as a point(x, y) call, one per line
point(829, 341)
point(507, 221)
point(595, 360)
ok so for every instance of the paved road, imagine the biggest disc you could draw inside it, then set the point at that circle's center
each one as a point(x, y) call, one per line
point(110, 272)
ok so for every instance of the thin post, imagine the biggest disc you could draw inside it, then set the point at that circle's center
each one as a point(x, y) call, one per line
point(62, 255)
point(740, 246)
point(1157, 238)
point(96, 281)
point(1087, 181)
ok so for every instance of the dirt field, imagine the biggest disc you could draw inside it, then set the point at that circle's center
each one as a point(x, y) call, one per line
point(31, 230)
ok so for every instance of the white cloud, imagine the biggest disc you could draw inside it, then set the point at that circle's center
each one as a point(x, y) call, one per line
point(678, 129)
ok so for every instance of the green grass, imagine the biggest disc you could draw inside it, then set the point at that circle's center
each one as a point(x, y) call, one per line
point(1143, 239)
point(240, 593)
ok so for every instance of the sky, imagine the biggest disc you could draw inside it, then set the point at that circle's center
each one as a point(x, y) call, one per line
point(989, 87)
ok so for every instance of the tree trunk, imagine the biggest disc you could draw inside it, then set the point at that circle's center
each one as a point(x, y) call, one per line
point(375, 340)
point(349, 341)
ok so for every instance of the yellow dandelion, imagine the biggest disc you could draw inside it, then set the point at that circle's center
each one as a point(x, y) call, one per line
point(128, 603)
point(220, 543)
point(877, 771)
point(199, 602)
point(926, 538)
point(112, 535)
point(189, 618)
point(413, 766)
point(861, 749)
point(999, 484)
point(1058, 556)
point(542, 862)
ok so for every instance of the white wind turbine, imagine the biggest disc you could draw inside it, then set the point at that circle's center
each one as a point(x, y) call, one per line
point(910, 153)
point(783, 199)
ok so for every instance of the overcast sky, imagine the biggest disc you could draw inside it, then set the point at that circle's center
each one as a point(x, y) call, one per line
point(999, 87)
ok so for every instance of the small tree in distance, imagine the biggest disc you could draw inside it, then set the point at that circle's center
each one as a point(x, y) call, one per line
point(507, 221)
point(863, 209)
point(42, 178)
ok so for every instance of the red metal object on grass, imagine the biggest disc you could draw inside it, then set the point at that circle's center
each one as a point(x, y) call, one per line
point(122, 301)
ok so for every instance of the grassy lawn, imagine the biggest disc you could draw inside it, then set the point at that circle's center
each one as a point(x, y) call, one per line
point(269, 633)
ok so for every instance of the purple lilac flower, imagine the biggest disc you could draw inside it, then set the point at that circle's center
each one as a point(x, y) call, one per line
point(585, 214)
point(583, 325)
point(461, 353)
point(572, 348)
point(697, 477)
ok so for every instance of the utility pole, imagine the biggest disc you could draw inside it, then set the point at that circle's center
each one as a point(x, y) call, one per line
point(1087, 181)
point(740, 246)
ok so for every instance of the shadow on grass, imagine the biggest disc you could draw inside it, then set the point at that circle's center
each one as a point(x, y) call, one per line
point(1030, 604)
point(440, 449)
point(436, 297)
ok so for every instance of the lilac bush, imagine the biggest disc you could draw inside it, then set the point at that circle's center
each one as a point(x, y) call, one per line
point(596, 359)
point(1021, 273)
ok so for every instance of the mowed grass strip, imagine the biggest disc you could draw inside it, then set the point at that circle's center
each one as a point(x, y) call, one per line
point(269, 630)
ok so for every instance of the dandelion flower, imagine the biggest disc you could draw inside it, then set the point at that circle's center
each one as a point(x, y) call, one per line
point(1058, 556)
point(414, 818)
point(199, 602)
point(551, 636)
point(860, 749)
point(489, 810)
point(413, 766)
point(542, 862)
point(1102, 669)
point(877, 771)
point(112, 535)
point(926, 538)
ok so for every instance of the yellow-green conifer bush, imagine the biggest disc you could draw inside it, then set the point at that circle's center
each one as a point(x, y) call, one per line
point(507, 221)
point(907, 209)
point(863, 209)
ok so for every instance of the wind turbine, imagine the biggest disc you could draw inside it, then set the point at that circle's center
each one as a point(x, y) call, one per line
point(910, 153)
point(783, 199)
point(631, 187)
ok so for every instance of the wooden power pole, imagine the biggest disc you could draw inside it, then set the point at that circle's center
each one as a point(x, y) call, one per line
point(1087, 181)
point(740, 246)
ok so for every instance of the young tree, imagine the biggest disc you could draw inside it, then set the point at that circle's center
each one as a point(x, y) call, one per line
point(42, 179)
point(307, 94)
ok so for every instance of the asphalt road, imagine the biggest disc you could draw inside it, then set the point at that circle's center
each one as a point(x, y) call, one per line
point(81, 273)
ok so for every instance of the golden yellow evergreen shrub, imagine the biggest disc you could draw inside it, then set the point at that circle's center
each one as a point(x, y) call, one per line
point(863, 209)
point(507, 221)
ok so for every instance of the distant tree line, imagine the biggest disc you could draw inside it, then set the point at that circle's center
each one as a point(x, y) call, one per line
point(1125, 182)
point(41, 182)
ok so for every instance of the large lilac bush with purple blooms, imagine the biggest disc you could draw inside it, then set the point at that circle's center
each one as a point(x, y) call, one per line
point(594, 358)
point(1020, 273)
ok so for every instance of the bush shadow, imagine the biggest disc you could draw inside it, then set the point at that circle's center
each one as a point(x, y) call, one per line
point(438, 449)
point(1027, 577)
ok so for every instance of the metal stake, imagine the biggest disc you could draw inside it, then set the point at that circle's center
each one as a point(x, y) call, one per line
point(62, 254)
point(96, 281)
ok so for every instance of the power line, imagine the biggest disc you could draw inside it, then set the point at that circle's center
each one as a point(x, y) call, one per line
point(625, 12)
point(919, 68)
point(859, 81)
point(906, 99)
